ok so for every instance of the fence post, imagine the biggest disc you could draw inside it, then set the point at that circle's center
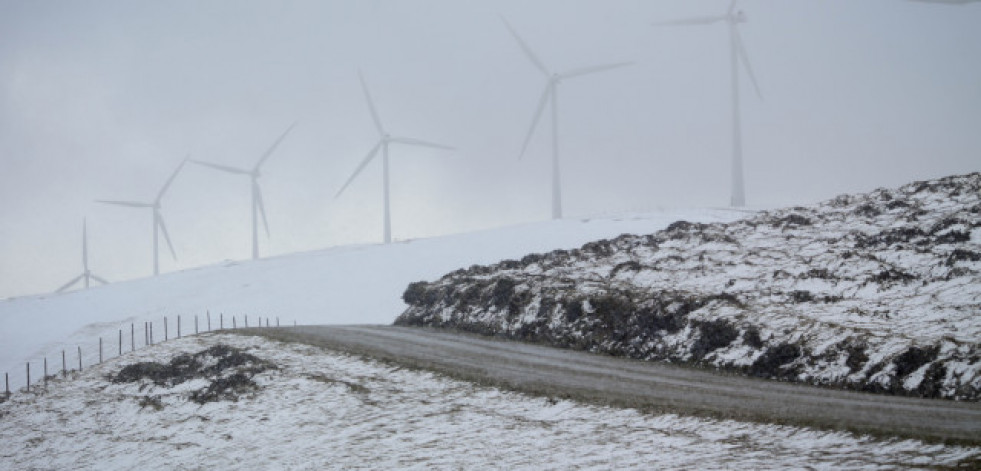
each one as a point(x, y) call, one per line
point(221, 321)
point(277, 321)
point(178, 326)
point(246, 321)
point(209, 320)
point(195, 324)
point(79, 358)
point(100, 350)
point(6, 382)
point(132, 337)
point(45, 372)
point(120, 342)
point(28, 376)
point(64, 365)
point(151, 332)
point(165, 329)
point(233, 322)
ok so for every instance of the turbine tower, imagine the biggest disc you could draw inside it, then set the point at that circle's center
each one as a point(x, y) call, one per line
point(384, 140)
point(158, 222)
point(552, 81)
point(738, 55)
point(86, 274)
point(257, 206)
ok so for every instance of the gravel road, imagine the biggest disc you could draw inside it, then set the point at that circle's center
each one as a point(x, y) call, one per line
point(646, 385)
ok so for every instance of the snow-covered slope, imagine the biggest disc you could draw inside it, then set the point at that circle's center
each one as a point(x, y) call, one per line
point(344, 285)
point(324, 410)
point(878, 291)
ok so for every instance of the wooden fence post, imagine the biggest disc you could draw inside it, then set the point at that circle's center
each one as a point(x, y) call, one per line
point(132, 337)
point(195, 324)
point(100, 350)
point(233, 322)
point(165, 329)
point(151, 332)
point(64, 365)
point(246, 321)
point(208, 313)
point(277, 321)
point(6, 382)
point(45, 372)
point(221, 321)
point(79, 358)
point(146, 334)
point(28, 376)
point(178, 326)
point(120, 342)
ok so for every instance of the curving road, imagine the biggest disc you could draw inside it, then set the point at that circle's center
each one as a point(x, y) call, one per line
point(645, 385)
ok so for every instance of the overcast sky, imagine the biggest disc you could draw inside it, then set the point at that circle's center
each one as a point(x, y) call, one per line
point(103, 99)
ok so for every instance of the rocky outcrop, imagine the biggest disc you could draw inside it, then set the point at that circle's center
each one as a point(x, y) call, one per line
point(879, 292)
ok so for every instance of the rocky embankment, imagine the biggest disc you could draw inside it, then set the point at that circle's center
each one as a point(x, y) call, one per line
point(879, 292)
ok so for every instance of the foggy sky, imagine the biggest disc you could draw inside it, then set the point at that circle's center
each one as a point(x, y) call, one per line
point(102, 100)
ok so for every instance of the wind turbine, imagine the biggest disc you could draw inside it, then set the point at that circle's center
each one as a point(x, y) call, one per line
point(551, 95)
point(738, 55)
point(158, 222)
point(257, 206)
point(384, 140)
point(86, 274)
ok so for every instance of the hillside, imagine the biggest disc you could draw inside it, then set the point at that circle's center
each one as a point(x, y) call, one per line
point(308, 408)
point(341, 285)
point(878, 292)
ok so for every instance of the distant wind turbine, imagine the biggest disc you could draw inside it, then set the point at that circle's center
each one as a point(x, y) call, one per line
point(86, 274)
point(257, 206)
point(551, 94)
point(158, 222)
point(384, 140)
point(738, 55)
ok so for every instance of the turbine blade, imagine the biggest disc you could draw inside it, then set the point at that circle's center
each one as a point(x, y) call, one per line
point(99, 279)
point(536, 117)
point(85, 246)
point(371, 105)
point(695, 20)
point(170, 180)
point(223, 168)
point(371, 155)
point(273, 147)
point(163, 229)
point(70, 283)
point(418, 142)
point(744, 58)
point(262, 207)
point(594, 69)
point(524, 47)
point(132, 204)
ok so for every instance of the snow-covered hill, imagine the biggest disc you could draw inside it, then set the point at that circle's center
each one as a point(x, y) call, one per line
point(343, 285)
point(315, 409)
point(878, 291)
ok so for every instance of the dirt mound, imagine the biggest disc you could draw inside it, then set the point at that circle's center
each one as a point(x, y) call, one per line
point(229, 370)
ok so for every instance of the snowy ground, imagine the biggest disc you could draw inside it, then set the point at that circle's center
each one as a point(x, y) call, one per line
point(324, 410)
point(342, 285)
point(878, 291)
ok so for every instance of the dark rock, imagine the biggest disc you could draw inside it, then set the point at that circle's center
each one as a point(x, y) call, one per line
point(771, 363)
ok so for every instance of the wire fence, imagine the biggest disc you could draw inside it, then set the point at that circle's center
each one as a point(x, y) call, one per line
point(127, 342)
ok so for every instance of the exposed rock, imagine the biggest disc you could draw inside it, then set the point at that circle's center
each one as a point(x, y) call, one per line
point(878, 292)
